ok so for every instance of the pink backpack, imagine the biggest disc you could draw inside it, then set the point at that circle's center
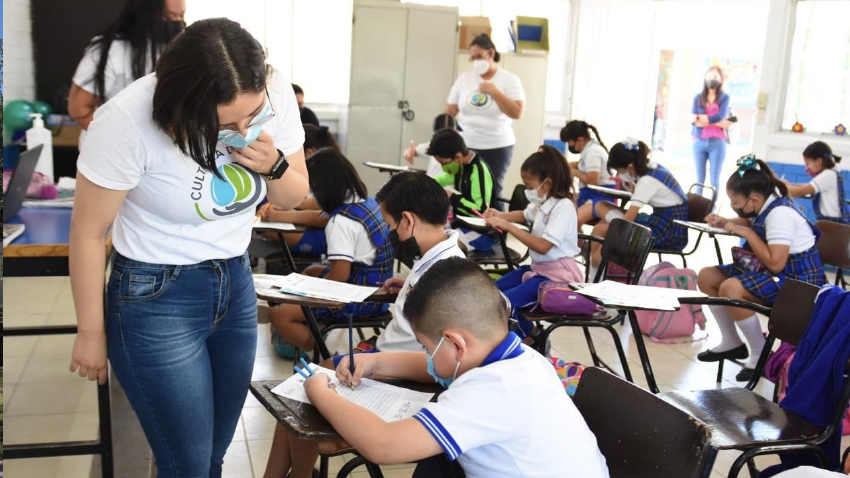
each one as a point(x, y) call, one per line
point(665, 326)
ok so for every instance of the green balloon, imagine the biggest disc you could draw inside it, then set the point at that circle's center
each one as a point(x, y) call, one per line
point(16, 116)
point(42, 107)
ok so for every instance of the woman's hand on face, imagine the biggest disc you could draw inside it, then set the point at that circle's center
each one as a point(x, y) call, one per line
point(488, 88)
point(259, 156)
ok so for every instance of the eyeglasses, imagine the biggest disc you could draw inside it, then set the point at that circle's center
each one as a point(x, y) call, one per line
point(254, 121)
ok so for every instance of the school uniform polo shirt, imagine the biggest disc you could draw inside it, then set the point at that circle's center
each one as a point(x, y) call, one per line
point(511, 417)
point(398, 336)
point(555, 220)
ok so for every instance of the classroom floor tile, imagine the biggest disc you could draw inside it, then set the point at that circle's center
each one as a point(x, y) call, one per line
point(64, 467)
point(50, 428)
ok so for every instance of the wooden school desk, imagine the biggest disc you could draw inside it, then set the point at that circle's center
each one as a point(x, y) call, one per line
point(305, 422)
point(42, 250)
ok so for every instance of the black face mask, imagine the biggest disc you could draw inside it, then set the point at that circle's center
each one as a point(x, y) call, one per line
point(405, 251)
point(173, 28)
point(712, 84)
point(744, 214)
point(573, 149)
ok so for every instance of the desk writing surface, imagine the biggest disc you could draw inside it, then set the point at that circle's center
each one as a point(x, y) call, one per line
point(303, 420)
point(46, 235)
point(611, 192)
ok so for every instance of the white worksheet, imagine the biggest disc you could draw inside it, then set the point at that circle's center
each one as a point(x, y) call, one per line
point(651, 298)
point(481, 222)
point(306, 286)
point(389, 402)
point(279, 226)
point(699, 226)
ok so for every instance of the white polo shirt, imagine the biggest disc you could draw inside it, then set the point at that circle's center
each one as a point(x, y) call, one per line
point(594, 159)
point(348, 240)
point(555, 220)
point(787, 227)
point(398, 336)
point(650, 191)
point(826, 184)
point(477, 420)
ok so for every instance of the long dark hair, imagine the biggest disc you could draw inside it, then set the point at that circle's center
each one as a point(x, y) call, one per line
point(210, 63)
point(822, 151)
point(333, 179)
point(548, 163)
point(316, 137)
point(484, 42)
point(755, 177)
point(623, 154)
point(142, 24)
point(576, 129)
point(703, 98)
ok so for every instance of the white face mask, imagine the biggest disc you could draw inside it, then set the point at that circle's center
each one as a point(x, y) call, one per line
point(627, 177)
point(480, 67)
point(533, 198)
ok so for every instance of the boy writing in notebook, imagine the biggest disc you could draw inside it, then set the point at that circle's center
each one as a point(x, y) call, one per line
point(415, 209)
point(459, 317)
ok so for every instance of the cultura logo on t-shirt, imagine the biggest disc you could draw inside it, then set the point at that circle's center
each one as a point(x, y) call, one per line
point(478, 100)
point(238, 191)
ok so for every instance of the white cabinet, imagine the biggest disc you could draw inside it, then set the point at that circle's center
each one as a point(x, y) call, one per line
point(401, 54)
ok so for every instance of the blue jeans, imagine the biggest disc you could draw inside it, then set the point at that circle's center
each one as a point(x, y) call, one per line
point(712, 150)
point(498, 160)
point(521, 294)
point(182, 340)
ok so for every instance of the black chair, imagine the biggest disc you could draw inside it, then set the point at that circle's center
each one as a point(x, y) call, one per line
point(699, 207)
point(740, 419)
point(834, 248)
point(501, 255)
point(639, 434)
point(627, 245)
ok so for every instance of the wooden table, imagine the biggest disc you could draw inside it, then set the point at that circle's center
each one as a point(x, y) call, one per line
point(305, 422)
point(42, 250)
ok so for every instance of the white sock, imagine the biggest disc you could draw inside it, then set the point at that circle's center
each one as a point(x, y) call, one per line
point(613, 214)
point(751, 327)
point(729, 338)
point(592, 276)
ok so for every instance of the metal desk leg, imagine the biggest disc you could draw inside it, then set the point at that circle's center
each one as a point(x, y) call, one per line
point(717, 250)
point(644, 357)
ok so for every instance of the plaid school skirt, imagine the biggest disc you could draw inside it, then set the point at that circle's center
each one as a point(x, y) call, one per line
point(764, 285)
point(665, 233)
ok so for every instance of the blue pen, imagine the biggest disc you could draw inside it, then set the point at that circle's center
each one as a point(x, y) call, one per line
point(301, 372)
point(306, 366)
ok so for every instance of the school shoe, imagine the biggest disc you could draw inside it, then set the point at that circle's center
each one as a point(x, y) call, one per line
point(745, 375)
point(740, 352)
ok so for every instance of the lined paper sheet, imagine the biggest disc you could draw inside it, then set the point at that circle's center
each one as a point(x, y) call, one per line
point(306, 286)
point(389, 402)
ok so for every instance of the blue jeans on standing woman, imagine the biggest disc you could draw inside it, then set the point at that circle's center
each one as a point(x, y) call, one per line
point(498, 160)
point(182, 340)
point(712, 150)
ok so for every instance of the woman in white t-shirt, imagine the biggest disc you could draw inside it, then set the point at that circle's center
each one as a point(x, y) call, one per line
point(123, 53)
point(176, 164)
point(827, 187)
point(486, 100)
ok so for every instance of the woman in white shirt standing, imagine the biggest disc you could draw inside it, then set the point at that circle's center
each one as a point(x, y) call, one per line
point(486, 100)
point(177, 164)
point(126, 51)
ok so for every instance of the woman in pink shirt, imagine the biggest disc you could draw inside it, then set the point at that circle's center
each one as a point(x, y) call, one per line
point(710, 109)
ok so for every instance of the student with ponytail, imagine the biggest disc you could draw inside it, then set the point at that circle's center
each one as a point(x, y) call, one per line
point(827, 185)
point(590, 169)
point(653, 186)
point(780, 244)
point(553, 240)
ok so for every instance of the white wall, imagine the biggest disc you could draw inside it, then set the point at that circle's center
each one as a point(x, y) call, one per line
point(18, 63)
point(769, 142)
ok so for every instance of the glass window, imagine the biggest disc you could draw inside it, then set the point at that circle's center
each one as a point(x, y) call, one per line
point(818, 94)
